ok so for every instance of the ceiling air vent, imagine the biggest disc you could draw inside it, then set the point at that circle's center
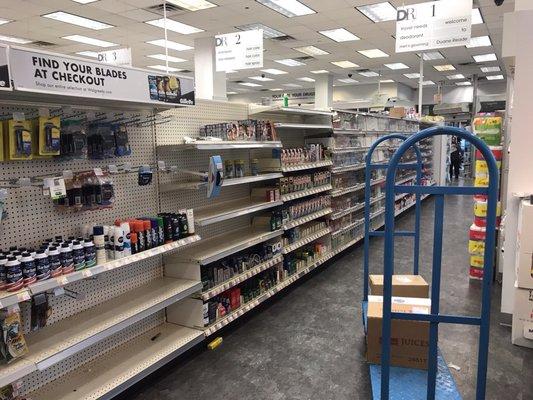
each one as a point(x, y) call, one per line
point(284, 38)
point(41, 43)
point(304, 58)
point(238, 81)
point(467, 64)
point(171, 9)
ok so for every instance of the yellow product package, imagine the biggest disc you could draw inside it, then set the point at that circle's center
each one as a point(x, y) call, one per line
point(49, 136)
point(19, 143)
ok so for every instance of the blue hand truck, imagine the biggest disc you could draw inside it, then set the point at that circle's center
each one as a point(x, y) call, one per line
point(437, 383)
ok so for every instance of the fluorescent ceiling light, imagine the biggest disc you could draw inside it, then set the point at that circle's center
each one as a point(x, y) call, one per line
point(432, 55)
point(347, 80)
point(164, 68)
point(170, 44)
point(490, 69)
point(465, 83)
point(174, 26)
point(414, 75)
point(231, 71)
point(456, 76)
point(163, 57)
point(476, 17)
point(495, 77)
point(306, 79)
point(261, 78)
point(92, 54)
point(274, 71)
point(276, 89)
point(379, 12)
point(268, 32)
point(289, 8)
point(485, 57)
point(339, 35)
point(445, 67)
point(345, 64)
point(293, 85)
point(369, 74)
point(84, 1)
point(12, 39)
point(311, 51)
point(480, 41)
point(386, 81)
point(250, 84)
point(396, 66)
point(231, 93)
point(5, 21)
point(289, 62)
point(427, 83)
point(320, 71)
point(192, 5)
point(373, 53)
point(88, 40)
point(77, 20)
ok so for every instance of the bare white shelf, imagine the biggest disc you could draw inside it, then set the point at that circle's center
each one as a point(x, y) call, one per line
point(119, 369)
point(226, 145)
point(347, 190)
point(307, 218)
point(212, 292)
point(56, 342)
point(340, 214)
point(50, 284)
point(256, 109)
point(218, 212)
point(340, 131)
point(305, 193)
point(305, 240)
point(347, 227)
point(407, 179)
point(355, 167)
point(173, 186)
point(349, 150)
point(16, 370)
point(220, 246)
point(292, 125)
point(304, 166)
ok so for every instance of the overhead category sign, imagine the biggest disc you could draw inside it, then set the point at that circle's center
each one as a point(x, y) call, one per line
point(5, 80)
point(43, 72)
point(116, 57)
point(239, 50)
point(433, 25)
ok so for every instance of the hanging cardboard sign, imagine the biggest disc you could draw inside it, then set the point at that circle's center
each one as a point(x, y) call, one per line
point(116, 57)
point(50, 73)
point(433, 25)
point(5, 79)
point(239, 50)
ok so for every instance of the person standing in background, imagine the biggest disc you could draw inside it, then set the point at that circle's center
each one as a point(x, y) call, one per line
point(456, 159)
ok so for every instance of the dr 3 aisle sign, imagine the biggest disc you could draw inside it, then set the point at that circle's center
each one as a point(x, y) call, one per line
point(433, 25)
point(239, 50)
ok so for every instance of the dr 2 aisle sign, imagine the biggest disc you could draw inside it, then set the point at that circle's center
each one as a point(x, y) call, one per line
point(239, 50)
point(433, 25)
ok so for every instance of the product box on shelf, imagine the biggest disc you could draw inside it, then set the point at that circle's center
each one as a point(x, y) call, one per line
point(522, 331)
point(398, 112)
point(488, 128)
point(402, 286)
point(409, 339)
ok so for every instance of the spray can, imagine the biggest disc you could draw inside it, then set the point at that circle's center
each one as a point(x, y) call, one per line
point(99, 244)
point(119, 242)
point(78, 254)
point(141, 238)
point(154, 231)
point(126, 229)
point(14, 279)
point(110, 242)
point(42, 265)
point(67, 262)
point(3, 261)
point(134, 243)
point(55, 262)
point(29, 271)
point(90, 253)
point(147, 229)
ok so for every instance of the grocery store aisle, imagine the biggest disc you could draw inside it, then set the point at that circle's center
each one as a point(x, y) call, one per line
point(309, 343)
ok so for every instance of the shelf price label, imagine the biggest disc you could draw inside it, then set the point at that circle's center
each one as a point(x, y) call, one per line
point(239, 50)
point(433, 25)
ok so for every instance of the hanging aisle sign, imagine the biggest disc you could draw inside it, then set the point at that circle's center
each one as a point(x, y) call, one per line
point(116, 57)
point(433, 25)
point(239, 50)
point(50, 73)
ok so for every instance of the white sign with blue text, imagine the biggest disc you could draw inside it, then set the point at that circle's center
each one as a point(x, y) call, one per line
point(239, 50)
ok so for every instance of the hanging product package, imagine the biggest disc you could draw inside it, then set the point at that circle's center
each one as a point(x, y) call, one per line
point(122, 145)
point(49, 136)
point(105, 191)
point(73, 140)
point(101, 141)
point(3, 198)
point(14, 345)
point(19, 143)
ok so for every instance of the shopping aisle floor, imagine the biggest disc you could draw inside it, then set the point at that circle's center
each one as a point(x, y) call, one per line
point(308, 343)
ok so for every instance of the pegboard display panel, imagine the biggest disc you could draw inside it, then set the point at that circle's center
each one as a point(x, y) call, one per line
point(38, 379)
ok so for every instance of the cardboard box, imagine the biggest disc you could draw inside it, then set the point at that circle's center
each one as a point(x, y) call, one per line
point(397, 112)
point(522, 332)
point(402, 286)
point(409, 339)
point(524, 244)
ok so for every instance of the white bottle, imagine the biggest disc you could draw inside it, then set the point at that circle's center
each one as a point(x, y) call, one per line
point(111, 244)
point(125, 226)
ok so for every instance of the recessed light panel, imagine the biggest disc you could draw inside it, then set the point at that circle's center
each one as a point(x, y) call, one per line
point(174, 26)
point(77, 20)
point(164, 57)
point(386, 81)
point(345, 64)
point(465, 83)
point(339, 35)
point(445, 67)
point(396, 66)
point(369, 74)
point(276, 89)
point(170, 44)
point(306, 79)
point(485, 57)
point(231, 93)
point(490, 69)
point(427, 83)
point(480, 41)
point(274, 71)
point(311, 51)
point(260, 78)
point(192, 5)
point(12, 39)
point(476, 17)
point(289, 8)
point(414, 75)
point(92, 54)
point(456, 76)
point(373, 53)
point(379, 12)
point(320, 71)
point(89, 40)
point(292, 85)
point(250, 84)
point(289, 62)
point(164, 68)
point(84, 1)
point(495, 77)
point(432, 55)
point(5, 21)
point(268, 32)
point(347, 80)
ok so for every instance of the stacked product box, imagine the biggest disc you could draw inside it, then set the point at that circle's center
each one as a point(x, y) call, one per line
point(522, 332)
point(489, 129)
